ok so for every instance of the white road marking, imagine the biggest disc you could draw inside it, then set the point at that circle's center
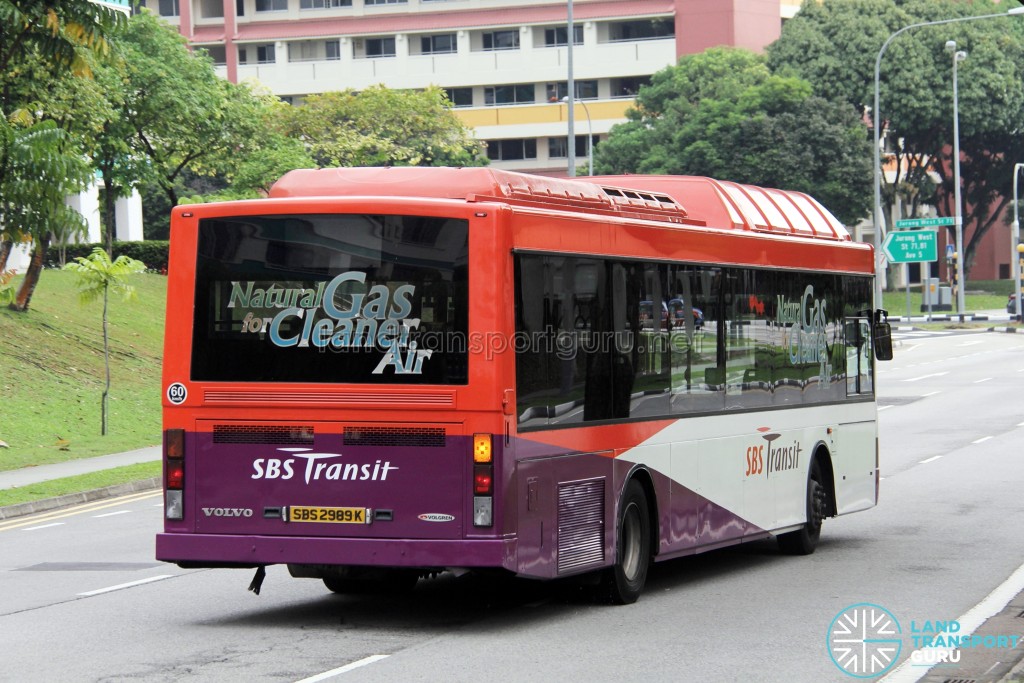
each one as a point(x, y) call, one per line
point(994, 602)
point(881, 408)
point(42, 526)
point(982, 439)
point(971, 343)
point(979, 381)
point(930, 393)
point(121, 586)
point(111, 514)
point(937, 374)
point(343, 669)
point(927, 460)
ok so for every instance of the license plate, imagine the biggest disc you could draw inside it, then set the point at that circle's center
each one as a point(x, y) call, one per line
point(306, 513)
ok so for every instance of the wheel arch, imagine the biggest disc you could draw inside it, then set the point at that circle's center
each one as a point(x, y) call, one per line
point(824, 459)
point(646, 481)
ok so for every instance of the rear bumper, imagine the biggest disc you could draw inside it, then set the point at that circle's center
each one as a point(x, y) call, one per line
point(196, 549)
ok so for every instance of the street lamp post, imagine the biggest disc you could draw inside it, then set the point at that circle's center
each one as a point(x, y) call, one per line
point(958, 56)
point(1016, 250)
point(590, 137)
point(877, 212)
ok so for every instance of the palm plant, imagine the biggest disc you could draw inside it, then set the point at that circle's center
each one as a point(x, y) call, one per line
point(97, 276)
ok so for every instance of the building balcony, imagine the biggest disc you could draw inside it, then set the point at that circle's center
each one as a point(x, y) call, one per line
point(461, 69)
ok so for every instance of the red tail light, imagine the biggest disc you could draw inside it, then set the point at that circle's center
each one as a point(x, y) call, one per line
point(483, 481)
point(174, 473)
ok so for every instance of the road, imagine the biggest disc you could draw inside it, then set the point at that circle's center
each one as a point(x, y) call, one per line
point(81, 598)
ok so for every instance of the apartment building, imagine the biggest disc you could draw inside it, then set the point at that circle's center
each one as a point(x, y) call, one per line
point(504, 64)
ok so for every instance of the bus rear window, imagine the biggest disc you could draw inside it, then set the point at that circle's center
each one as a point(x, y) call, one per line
point(334, 298)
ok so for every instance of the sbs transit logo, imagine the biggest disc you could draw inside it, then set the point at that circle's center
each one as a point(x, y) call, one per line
point(864, 640)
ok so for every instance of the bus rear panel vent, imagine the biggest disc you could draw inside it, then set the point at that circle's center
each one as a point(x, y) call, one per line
point(289, 435)
point(424, 437)
point(580, 525)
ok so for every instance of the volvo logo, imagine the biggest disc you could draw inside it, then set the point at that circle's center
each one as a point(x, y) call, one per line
point(227, 512)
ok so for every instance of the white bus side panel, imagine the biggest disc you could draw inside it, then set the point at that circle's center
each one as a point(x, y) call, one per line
point(755, 465)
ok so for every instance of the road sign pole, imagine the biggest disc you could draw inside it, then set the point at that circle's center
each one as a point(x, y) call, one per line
point(906, 281)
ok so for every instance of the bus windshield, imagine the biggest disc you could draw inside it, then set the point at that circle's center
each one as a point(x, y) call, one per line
point(339, 298)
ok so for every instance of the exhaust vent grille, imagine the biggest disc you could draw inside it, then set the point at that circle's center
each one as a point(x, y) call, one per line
point(291, 435)
point(424, 437)
point(580, 525)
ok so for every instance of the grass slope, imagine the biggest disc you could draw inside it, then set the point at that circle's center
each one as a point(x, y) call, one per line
point(51, 373)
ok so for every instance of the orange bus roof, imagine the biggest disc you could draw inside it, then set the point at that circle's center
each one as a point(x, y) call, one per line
point(690, 200)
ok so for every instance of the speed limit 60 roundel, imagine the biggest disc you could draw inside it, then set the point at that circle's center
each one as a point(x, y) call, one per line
point(177, 393)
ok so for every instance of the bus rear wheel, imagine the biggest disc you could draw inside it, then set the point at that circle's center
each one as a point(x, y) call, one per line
point(623, 582)
point(804, 540)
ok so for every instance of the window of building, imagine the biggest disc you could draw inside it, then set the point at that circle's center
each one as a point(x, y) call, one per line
point(558, 147)
point(324, 4)
point(501, 40)
point(211, 9)
point(440, 44)
point(628, 86)
point(314, 50)
point(385, 2)
point(460, 97)
point(380, 47)
point(512, 150)
point(520, 93)
point(585, 90)
point(168, 8)
point(265, 54)
point(642, 29)
point(217, 53)
point(271, 5)
point(557, 36)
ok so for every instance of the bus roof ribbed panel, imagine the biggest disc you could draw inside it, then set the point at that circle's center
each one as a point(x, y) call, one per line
point(716, 204)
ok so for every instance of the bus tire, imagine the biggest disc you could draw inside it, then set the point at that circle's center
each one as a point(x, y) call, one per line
point(623, 582)
point(804, 540)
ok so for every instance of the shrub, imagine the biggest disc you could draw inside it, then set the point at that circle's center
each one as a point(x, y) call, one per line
point(151, 252)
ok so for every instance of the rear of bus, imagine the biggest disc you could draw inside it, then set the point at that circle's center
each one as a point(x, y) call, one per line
point(321, 405)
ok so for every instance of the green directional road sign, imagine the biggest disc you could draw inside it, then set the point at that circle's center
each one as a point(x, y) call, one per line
point(924, 222)
point(912, 246)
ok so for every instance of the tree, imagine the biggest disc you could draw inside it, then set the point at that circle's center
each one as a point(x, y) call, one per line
point(180, 114)
point(98, 276)
point(834, 45)
point(723, 114)
point(41, 43)
point(31, 202)
point(383, 127)
point(56, 31)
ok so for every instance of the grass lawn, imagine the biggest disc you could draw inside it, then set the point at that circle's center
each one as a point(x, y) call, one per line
point(51, 373)
point(84, 482)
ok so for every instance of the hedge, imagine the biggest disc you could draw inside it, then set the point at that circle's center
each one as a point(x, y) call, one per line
point(151, 252)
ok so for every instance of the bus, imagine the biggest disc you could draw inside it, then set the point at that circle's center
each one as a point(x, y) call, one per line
point(375, 375)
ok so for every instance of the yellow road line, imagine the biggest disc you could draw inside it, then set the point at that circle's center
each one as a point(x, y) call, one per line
point(77, 510)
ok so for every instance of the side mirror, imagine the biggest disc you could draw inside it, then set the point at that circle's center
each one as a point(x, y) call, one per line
point(881, 335)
